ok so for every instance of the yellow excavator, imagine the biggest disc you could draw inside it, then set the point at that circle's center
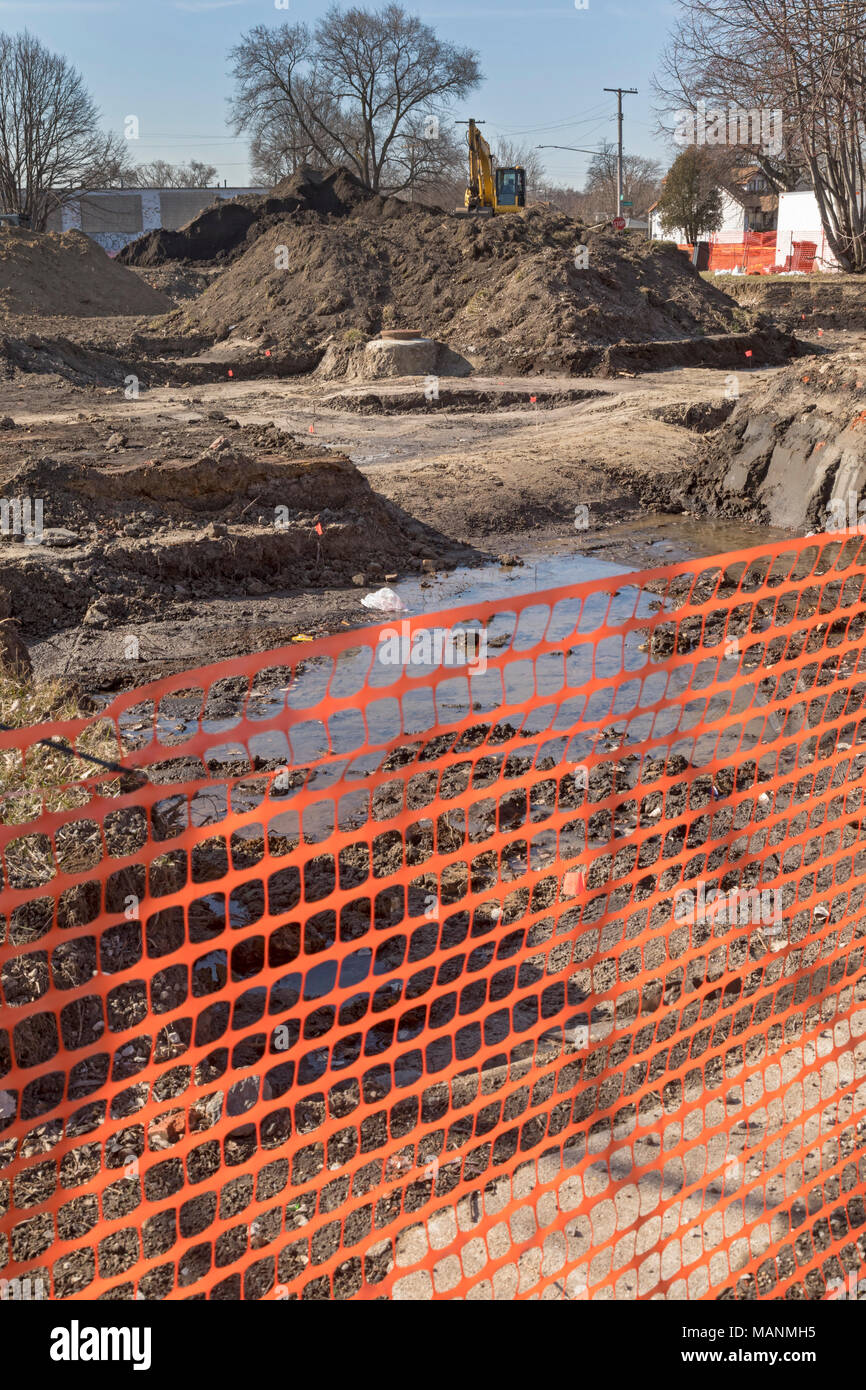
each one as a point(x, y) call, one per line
point(490, 189)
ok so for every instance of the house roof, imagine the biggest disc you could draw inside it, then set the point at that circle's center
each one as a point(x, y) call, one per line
point(744, 173)
point(753, 202)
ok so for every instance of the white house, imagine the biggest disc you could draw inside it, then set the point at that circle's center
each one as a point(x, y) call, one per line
point(747, 206)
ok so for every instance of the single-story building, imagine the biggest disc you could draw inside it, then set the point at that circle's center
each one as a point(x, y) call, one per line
point(115, 216)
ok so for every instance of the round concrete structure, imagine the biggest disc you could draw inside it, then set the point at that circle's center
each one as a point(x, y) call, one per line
point(385, 357)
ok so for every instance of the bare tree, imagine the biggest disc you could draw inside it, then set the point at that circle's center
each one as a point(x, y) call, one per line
point(430, 167)
point(695, 76)
point(280, 144)
point(160, 174)
point(641, 181)
point(51, 145)
point(351, 91)
point(778, 63)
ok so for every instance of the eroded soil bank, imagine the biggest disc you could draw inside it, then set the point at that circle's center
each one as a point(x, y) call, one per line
point(793, 452)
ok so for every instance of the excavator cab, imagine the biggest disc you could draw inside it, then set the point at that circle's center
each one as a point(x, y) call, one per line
point(511, 188)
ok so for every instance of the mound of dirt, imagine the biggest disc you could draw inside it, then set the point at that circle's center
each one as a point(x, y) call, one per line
point(59, 358)
point(136, 524)
point(506, 293)
point(793, 452)
point(220, 231)
point(179, 282)
point(48, 273)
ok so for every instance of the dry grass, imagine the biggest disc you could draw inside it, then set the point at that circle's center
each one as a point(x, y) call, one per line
point(44, 778)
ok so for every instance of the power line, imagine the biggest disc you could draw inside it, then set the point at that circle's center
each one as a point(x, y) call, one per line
point(558, 125)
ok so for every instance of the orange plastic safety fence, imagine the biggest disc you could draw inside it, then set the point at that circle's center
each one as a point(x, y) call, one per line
point(512, 952)
point(755, 252)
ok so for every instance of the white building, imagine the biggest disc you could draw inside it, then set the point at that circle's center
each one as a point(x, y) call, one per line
point(800, 221)
point(115, 216)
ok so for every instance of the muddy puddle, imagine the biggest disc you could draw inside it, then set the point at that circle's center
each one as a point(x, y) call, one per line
point(465, 646)
point(428, 675)
point(661, 538)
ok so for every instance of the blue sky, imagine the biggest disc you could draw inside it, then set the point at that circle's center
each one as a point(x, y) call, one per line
point(545, 66)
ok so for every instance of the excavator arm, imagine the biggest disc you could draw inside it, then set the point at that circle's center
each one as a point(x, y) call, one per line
point(481, 192)
point(490, 189)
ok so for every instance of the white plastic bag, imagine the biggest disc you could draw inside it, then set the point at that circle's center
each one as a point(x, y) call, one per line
point(385, 600)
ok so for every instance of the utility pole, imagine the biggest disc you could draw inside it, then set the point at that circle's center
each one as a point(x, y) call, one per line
point(620, 93)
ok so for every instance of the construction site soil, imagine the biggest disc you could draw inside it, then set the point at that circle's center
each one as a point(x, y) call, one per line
point(179, 527)
point(794, 451)
point(628, 410)
point(322, 264)
point(715, 805)
point(67, 273)
point(162, 515)
point(801, 303)
point(155, 519)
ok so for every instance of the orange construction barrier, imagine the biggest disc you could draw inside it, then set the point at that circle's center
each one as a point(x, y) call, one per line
point(512, 952)
point(755, 253)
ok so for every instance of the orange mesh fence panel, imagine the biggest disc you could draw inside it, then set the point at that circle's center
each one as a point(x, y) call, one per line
point(755, 252)
point(803, 256)
point(726, 256)
point(515, 952)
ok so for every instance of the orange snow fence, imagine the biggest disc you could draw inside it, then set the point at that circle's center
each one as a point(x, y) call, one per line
point(754, 253)
point(514, 952)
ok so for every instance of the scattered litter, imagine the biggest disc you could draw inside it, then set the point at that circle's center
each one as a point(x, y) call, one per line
point(574, 882)
point(385, 600)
